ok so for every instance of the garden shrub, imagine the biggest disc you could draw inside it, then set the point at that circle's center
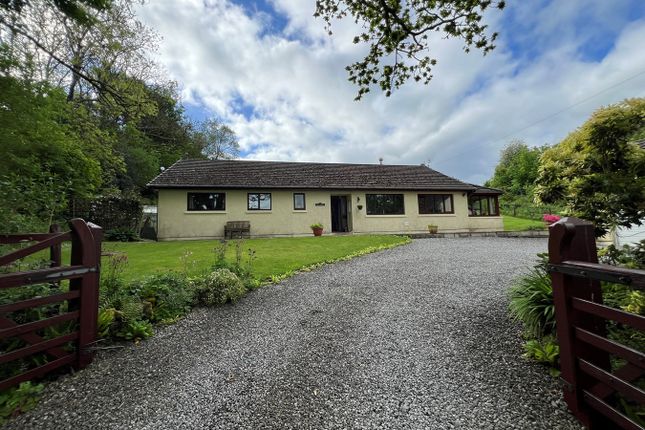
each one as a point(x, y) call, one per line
point(105, 322)
point(114, 298)
point(18, 400)
point(545, 350)
point(111, 212)
point(243, 270)
point(136, 330)
point(635, 303)
point(532, 304)
point(217, 288)
point(531, 301)
point(632, 257)
point(165, 296)
point(121, 235)
point(30, 203)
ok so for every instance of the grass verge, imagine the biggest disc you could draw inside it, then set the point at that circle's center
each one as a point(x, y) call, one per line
point(273, 257)
point(512, 223)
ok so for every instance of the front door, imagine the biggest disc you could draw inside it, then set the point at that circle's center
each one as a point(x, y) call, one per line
point(339, 213)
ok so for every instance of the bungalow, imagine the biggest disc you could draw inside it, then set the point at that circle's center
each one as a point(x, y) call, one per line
point(196, 198)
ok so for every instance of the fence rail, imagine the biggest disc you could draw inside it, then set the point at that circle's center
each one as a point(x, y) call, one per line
point(68, 348)
point(591, 385)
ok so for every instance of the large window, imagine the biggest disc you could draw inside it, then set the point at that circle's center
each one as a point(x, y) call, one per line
point(483, 206)
point(435, 204)
point(259, 201)
point(206, 201)
point(299, 203)
point(385, 204)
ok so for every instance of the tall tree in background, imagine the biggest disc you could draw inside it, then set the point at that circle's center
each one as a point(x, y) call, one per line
point(517, 169)
point(219, 142)
point(78, 10)
point(170, 134)
point(94, 59)
point(398, 34)
point(87, 113)
point(515, 174)
point(598, 170)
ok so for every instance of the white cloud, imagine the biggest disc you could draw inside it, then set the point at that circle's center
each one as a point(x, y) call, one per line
point(302, 104)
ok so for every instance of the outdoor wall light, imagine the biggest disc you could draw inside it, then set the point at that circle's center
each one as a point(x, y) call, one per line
point(358, 198)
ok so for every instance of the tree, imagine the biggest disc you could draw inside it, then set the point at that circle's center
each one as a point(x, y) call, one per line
point(44, 160)
point(517, 169)
point(92, 58)
point(398, 31)
point(170, 134)
point(515, 174)
point(598, 170)
point(78, 10)
point(218, 140)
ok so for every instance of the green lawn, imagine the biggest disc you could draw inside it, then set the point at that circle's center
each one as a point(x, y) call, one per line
point(272, 256)
point(519, 224)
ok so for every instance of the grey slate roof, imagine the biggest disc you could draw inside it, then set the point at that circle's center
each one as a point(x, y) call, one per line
point(486, 190)
point(298, 175)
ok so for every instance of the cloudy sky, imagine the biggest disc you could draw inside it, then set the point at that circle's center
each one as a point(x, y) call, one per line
point(269, 70)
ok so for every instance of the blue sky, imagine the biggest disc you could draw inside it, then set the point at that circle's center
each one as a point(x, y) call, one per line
point(269, 70)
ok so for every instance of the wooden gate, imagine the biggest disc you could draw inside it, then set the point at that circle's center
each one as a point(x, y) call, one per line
point(81, 298)
point(591, 386)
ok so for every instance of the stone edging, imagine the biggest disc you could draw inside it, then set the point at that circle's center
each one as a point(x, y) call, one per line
point(527, 233)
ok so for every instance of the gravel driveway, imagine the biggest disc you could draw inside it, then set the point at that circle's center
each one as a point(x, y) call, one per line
point(416, 337)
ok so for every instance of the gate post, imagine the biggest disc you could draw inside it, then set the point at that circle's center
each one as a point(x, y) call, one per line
point(573, 239)
point(86, 251)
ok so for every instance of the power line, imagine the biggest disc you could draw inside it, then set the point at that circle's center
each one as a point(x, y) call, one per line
point(579, 102)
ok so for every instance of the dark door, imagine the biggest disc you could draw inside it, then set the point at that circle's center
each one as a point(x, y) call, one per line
point(339, 214)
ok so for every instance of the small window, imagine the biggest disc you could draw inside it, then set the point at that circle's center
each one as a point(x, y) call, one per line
point(206, 201)
point(259, 201)
point(483, 206)
point(299, 202)
point(435, 204)
point(384, 204)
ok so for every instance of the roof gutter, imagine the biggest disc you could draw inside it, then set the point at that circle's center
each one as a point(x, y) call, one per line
point(295, 187)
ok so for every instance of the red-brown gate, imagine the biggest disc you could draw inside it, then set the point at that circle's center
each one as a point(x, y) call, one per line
point(591, 385)
point(81, 299)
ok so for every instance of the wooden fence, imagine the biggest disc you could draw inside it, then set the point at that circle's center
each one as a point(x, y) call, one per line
point(71, 347)
point(591, 387)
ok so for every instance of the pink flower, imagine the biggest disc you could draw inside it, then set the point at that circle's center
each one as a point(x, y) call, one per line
point(550, 218)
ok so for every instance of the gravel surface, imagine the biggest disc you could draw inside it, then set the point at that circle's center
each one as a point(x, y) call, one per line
point(416, 337)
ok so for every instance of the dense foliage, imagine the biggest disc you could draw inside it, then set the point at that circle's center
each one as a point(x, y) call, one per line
point(398, 34)
point(531, 303)
point(78, 10)
point(515, 174)
point(119, 216)
point(86, 113)
point(599, 170)
point(517, 169)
